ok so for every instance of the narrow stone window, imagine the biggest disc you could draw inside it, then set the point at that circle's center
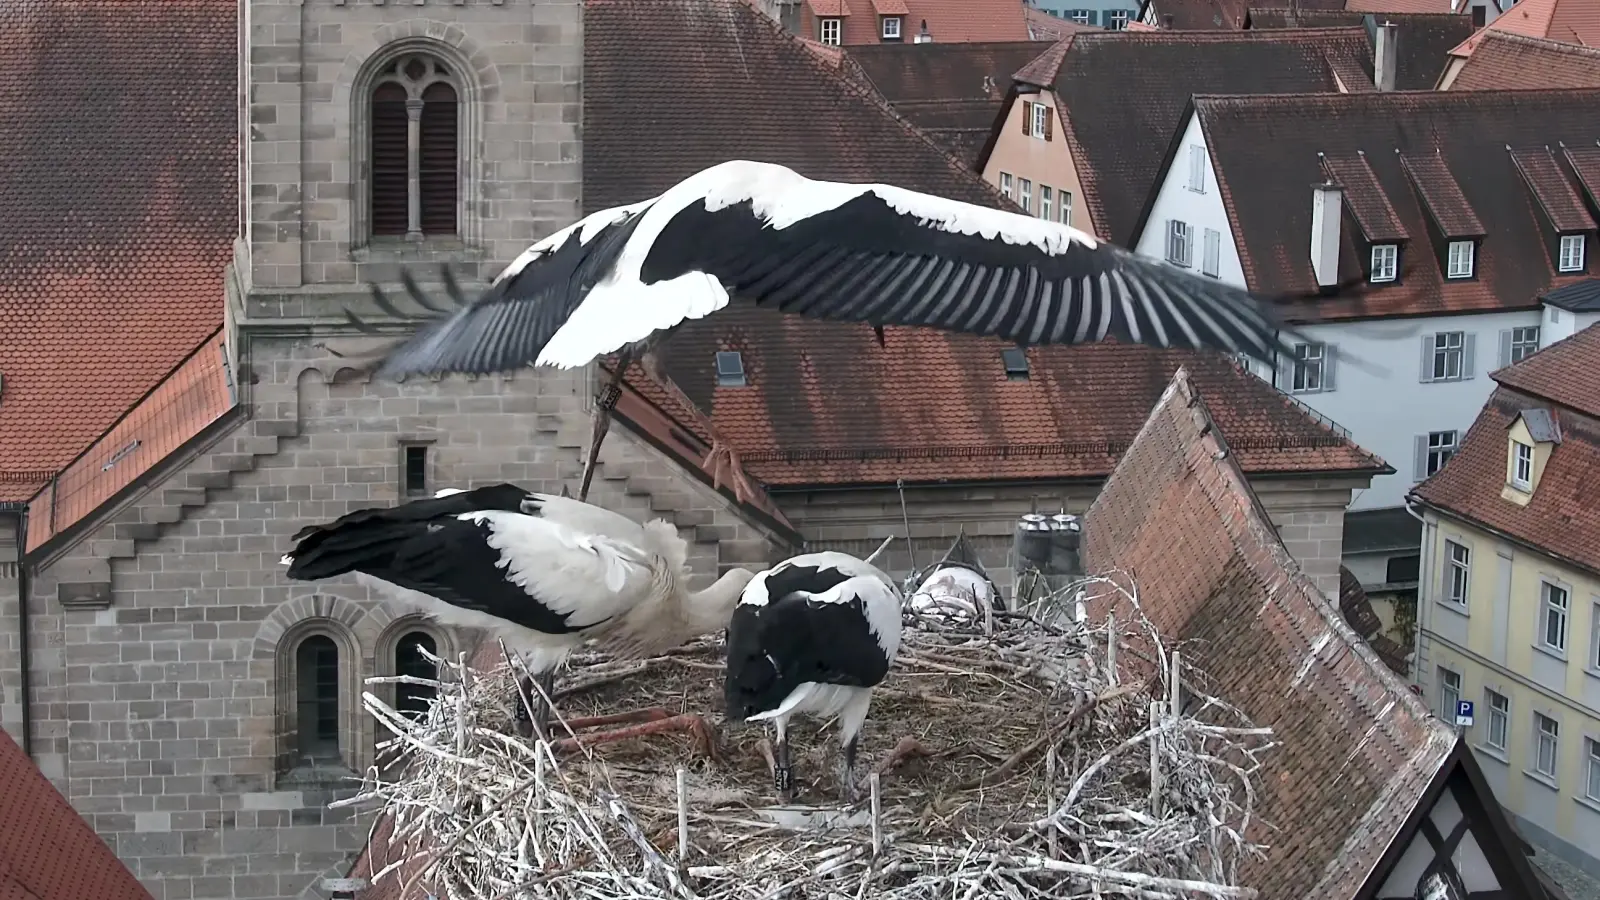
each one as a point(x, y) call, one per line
point(411, 700)
point(317, 699)
point(415, 166)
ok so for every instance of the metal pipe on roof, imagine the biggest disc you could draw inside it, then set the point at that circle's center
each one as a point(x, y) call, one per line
point(19, 515)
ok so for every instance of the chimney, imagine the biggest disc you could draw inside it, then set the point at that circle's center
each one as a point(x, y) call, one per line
point(1327, 211)
point(923, 37)
point(1383, 56)
point(1166, 21)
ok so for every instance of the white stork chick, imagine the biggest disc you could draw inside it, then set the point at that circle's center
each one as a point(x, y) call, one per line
point(622, 279)
point(955, 592)
point(812, 635)
point(541, 572)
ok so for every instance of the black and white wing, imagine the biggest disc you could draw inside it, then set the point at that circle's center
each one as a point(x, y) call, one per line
point(499, 550)
point(850, 252)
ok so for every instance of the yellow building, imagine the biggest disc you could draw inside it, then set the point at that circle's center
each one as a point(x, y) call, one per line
point(1509, 604)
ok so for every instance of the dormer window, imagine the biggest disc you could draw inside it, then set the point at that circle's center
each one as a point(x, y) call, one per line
point(1385, 262)
point(1572, 255)
point(891, 28)
point(1460, 259)
point(1521, 466)
point(830, 31)
point(730, 369)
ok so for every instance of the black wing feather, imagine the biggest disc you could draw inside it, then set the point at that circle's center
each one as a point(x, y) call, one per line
point(775, 648)
point(424, 546)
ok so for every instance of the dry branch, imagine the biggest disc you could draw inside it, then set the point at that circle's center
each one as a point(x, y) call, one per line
point(960, 808)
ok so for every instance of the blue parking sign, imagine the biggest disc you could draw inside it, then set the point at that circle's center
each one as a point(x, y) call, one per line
point(1464, 713)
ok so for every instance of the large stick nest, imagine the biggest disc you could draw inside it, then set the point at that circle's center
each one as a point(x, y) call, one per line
point(1009, 762)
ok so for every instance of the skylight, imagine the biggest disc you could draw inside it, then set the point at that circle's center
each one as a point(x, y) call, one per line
point(730, 369)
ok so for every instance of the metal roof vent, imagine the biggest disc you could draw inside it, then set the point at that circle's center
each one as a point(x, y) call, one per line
point(1015, 360)
point(730, 369)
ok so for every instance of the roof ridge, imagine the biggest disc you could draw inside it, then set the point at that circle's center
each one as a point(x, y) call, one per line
point(1544, 43)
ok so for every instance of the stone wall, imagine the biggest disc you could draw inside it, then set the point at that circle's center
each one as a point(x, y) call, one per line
point(10, 630)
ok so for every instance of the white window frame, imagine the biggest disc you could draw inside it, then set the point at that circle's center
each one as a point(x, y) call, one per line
point(1521, 457)
point(1497, 736)
point(833, 25)
point(1040, 114)
point(1554, 613)
point(1449, 694)
point(1461, 257)
point(1448, 347)
point(1309, 367)
point(1081, 16)
point(1542, 735)
point(1591, 787)
point(1594, 635)
point(1211, 253)
point(1572, 250)
point(1046, 202)
point(1118, 20)
point(1458, 573)
point(1443, 444)
point(1005, 185)
point(891, 28)
point(1065, 199)
point(1385, 262)
point(1524, 343)
point(1180, 243)
point(1197, 168)
point(1025, 191)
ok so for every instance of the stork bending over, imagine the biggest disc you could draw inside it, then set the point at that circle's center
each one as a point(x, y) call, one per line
point(813, 635)
point(623, 279)
point(543, 573)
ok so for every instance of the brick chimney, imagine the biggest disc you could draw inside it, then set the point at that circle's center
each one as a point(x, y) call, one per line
point(1383, 56)
point(1327, 212)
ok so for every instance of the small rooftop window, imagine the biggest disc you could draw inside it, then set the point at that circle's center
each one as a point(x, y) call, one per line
point(1016, 363)
point(730, 369)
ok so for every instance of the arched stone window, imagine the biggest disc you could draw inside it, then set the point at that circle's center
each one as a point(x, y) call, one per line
point(318, 664)
point(317, 704)
point(411, 700)
point(414, 181)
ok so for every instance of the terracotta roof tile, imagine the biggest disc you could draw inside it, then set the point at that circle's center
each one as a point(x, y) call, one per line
point(1568, 21)
point(113, 254)
point(1441, 195)
point(1410, 7)
point(1124, 96)
point(948, 21)
point(1563, 378)
point(1043, 26)
point(1585, 163)
point(47, 851)
point(953, 92)
point(824, 404)
point(1265, 150)
point(659, 106)
point(179, 407)
point(890, 7)
point(1178, 516)
point(1423, 41)
point(1365, 196)
point(1556, 195)
point(1506, 61)
point(1202, 15)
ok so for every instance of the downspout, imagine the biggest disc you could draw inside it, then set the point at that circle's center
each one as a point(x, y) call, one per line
point(19, 516)
point(1424, 566)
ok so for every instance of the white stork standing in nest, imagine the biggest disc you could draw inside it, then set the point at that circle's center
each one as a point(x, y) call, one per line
point(541, 572)
point(623, 279)
point(812, 635)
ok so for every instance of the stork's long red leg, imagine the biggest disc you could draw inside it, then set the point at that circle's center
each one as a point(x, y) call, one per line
point(705, 738)
point(722, 459)
point(604, 404)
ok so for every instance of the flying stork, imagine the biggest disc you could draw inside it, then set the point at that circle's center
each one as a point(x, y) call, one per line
point(623, 279)
point(812, 635)
point(541, 572)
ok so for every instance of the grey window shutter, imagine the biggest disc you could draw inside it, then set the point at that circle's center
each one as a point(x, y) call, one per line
point(1467, 354)
point(1280, 372)
point(1427, 357)
point(1505, 348)
point(1330, 355)
point(1420, 464)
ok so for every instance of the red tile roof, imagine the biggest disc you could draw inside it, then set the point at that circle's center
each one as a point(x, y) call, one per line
point(115, 245)
point(1267, 151)
point(47, 851)
point(953, 92)
point(824, 404)
point(1358, 751)
point(1507, 61)
point(1123, 95)
point(1568, 21)
point(1441, 195)
point(1423, 40)
point(948, 21)
point(1563, 378)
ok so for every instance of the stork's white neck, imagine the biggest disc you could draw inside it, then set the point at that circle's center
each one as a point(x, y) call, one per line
point(709, 610)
